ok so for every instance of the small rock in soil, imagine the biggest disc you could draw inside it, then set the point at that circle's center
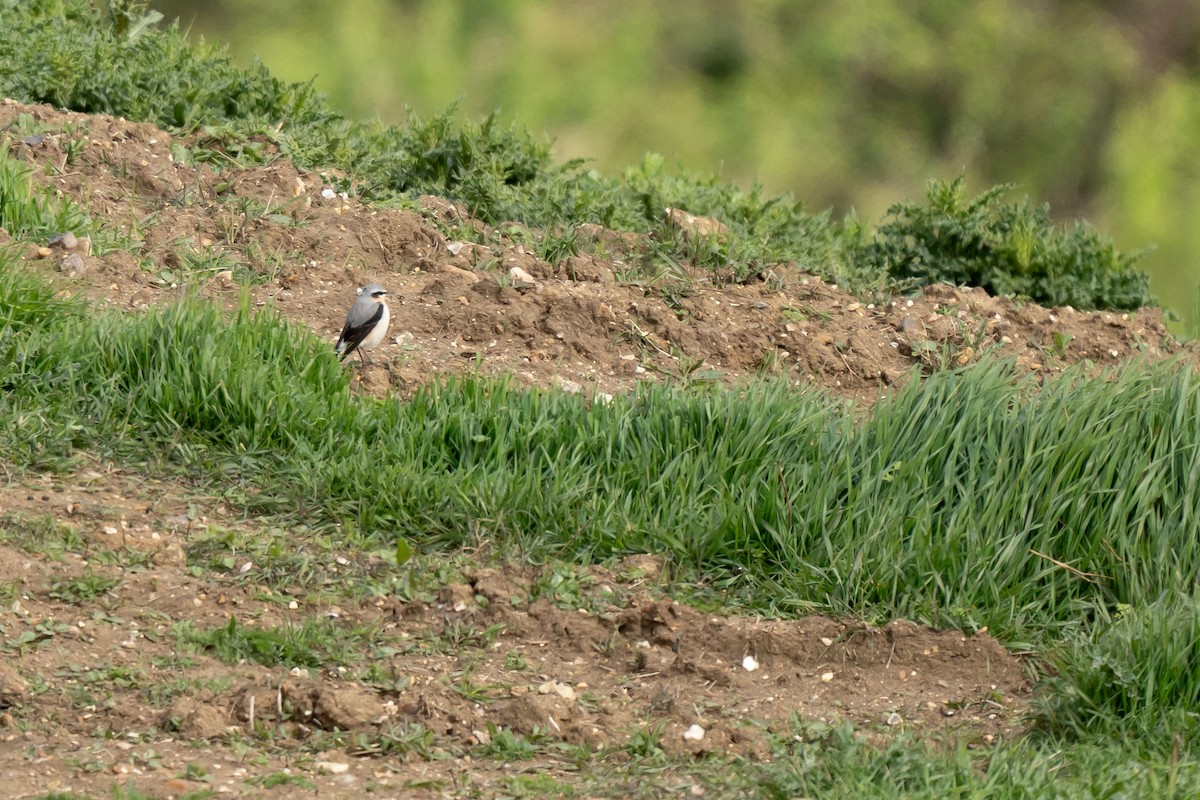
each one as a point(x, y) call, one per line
point(520, 279)
point(72, 263)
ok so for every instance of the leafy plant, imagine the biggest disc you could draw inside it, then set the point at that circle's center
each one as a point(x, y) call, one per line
point(311, 643)
point(1006, 248)
point(85, 588)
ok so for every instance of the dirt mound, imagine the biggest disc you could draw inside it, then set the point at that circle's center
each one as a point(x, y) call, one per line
point(585, 322)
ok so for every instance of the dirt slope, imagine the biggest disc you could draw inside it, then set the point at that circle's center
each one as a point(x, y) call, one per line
point(93, 688)
point(305, 249)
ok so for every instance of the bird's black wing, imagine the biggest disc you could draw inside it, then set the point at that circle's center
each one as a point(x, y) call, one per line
point(352, 335)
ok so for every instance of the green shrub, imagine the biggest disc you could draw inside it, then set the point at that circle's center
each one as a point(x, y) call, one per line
point(1006, 248)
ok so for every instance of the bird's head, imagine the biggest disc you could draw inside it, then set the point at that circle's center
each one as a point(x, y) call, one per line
point(374, 291)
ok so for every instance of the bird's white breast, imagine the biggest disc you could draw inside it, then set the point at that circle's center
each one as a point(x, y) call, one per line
point(379, 331)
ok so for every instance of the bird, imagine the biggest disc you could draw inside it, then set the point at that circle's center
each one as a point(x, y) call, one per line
point(366, 323)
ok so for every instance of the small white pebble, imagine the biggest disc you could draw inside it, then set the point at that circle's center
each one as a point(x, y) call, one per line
point(333, 767)
point(749, 663)
point(694, 734)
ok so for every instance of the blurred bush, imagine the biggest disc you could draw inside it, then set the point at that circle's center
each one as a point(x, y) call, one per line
point(1093, 107)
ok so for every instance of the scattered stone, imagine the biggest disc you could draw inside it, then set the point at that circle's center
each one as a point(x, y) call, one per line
point(193, 720)
point(533, 712)
point(345, 708)
point(170, 554)
point(646, 566)
point(333, 767)
point(894, 719)
point(459, 271)
point(694, 228)
point(443, 209)
point(72, 264)
point(556, 687)
point(568, 386)
point(224, 279)
point(694, 734)
point(13, 689)
point(749, 663)
point(458, 596)
point(826, 676)
point(64, 241)
point(520, 279)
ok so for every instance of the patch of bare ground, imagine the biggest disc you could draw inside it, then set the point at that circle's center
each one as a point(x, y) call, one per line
point(97, 690)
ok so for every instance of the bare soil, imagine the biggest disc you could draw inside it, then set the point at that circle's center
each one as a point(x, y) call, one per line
point(78, 706)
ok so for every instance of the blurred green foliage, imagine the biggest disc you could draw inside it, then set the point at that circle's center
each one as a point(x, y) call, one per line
point(123, 63)
point(1007, 248)
point(848, 104)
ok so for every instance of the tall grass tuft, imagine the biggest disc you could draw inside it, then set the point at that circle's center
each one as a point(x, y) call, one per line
point(33, 212)
point(1135, 674)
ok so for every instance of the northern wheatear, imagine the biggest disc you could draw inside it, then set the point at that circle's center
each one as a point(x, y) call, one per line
point(366, 324)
